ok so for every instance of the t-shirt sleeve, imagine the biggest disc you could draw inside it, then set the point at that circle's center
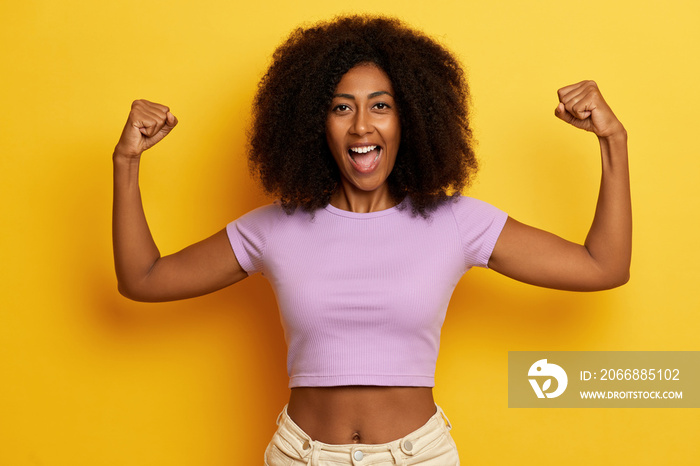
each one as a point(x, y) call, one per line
point(479, 225)
point(250, 234)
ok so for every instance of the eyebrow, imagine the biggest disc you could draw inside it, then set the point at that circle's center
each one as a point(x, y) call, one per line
point(370, 96)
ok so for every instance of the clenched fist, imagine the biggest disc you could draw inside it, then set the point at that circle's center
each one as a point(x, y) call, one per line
point(147, 124)
point(583, 106)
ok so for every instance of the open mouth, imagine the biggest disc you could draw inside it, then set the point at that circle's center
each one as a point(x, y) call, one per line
point(365, 158)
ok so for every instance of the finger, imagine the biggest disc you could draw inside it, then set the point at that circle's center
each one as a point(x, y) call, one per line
point(146, 111)
point(582, 109)
point(578, 106)
point(149, 121)
point(148, 125)
point(170, 120)
point(164, 123)
point(566, 90)
point(158, 107)
point(561, 113)
point(579, 102)
point(168, 125)
point(571, 92)
point(148, 105)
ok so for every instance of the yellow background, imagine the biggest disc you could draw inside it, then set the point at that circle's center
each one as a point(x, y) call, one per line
point(90, 378)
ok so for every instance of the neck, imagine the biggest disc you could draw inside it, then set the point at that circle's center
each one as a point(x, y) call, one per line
point(348, 197)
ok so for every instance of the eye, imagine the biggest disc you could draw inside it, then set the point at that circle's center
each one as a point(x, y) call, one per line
point(341, 108)
point(382, 106)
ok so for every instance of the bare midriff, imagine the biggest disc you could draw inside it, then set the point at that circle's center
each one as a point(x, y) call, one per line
point(360, 414)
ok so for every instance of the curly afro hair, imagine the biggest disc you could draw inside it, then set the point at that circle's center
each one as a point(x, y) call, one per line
point(287, 146)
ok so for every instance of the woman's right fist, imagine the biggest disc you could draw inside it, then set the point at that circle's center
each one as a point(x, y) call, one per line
point(147, 124)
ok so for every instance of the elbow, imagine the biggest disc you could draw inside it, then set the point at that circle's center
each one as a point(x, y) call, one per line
point(625, 278)
point(126, 291)
point(132, 292)
point(615, 280)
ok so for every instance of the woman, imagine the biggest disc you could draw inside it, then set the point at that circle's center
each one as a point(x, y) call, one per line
point(361, 132)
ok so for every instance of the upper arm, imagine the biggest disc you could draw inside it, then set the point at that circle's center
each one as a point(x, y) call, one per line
point(201, 268)
point(541, 258)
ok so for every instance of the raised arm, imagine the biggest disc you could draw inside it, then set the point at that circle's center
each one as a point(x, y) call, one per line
point(602, 262)
point(141, 273)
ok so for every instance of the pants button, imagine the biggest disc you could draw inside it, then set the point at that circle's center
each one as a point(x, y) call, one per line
point(358, 455)
point(408, 445)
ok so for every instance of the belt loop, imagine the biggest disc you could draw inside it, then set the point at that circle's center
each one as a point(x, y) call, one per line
point(315, 453)
point(396, 453)
point(447, 421)
point(279, 416)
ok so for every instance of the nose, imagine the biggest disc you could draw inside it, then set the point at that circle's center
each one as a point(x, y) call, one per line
point(362, 123)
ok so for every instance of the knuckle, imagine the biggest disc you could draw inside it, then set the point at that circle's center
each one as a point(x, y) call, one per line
point(139, 106)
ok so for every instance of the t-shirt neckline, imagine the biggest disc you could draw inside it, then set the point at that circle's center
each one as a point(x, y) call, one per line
point(359, 215)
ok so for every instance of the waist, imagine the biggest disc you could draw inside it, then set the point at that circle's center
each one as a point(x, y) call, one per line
point(360, 414)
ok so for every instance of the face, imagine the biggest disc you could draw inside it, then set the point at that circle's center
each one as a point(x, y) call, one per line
point(363, 129)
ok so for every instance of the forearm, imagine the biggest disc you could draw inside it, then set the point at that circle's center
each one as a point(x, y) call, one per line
point(135, 252)
point(609, 240)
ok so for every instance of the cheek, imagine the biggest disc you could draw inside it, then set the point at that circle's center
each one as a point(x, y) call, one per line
point(333, 135)
point(393, 132)
point(333, 147)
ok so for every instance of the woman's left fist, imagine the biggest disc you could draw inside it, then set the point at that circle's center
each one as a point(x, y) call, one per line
point(583, 106)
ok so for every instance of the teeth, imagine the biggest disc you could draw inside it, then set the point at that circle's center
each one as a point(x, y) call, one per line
point(363, 150)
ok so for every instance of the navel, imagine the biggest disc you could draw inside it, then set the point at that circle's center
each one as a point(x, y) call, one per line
point(356, 437)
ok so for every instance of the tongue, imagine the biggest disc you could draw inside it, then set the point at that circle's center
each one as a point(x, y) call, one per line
point(365, 160)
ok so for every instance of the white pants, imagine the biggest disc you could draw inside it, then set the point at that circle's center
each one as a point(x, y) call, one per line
point(429, 445)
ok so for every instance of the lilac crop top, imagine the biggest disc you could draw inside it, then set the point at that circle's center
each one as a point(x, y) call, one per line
point(363, 297)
